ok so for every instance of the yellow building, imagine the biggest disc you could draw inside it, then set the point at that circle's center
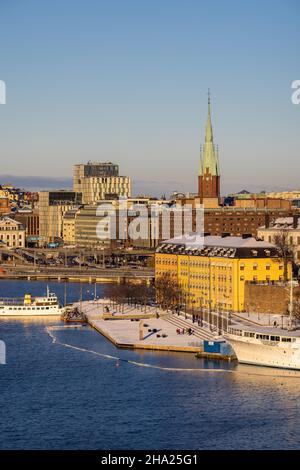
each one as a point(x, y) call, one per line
point(212, 271)
point(69, 225)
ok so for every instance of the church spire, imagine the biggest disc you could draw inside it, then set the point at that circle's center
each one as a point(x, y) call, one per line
point(209, 131)
point(209, 173)
point(209, 160)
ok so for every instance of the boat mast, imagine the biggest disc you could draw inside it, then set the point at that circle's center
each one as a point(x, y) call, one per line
point(291, 305)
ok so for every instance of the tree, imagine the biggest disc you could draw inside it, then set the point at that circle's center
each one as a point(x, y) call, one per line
point(168, 292)
point(142, 293)
point(296, 305)
point(284, 245)
point(137, 294)
point(116, 293)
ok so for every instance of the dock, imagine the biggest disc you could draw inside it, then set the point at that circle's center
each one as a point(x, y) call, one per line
point(148, 329)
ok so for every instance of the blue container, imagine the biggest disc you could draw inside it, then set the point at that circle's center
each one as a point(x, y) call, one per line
point(212, 346)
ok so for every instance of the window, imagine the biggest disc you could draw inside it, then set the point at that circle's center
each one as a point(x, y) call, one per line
point(286, 340)
point(275, 338)
point(264, 337)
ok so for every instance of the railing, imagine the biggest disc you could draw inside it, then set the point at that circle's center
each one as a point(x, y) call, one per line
point(10, 301)
point(212, 321)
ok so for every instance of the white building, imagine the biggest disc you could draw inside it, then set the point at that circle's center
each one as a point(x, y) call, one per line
point(288, 225)
point(12, 233)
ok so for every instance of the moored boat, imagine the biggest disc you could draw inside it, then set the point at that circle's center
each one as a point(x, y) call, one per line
point(265, 346)
point(31, 306)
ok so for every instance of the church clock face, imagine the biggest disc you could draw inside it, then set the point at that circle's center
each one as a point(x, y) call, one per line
point(207, 179)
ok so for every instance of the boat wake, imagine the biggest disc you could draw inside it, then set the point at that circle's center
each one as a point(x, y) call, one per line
point(50, 329)
point(268, 372)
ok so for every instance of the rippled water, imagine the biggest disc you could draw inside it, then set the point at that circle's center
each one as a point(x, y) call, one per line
point(68, 395)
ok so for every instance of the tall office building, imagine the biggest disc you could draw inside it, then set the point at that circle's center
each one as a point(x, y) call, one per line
point(97, 181)
point(52, 207)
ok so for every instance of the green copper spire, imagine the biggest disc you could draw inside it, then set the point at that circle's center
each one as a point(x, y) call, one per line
point(209, 131)
point(209, 156)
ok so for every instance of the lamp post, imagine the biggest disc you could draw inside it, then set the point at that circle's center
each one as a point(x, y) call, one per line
point(225, 298)
point(95, 292)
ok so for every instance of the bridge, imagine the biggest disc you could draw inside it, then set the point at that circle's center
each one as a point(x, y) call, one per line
point(91, 275)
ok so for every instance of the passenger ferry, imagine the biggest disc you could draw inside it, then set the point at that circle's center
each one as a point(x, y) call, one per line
point(265, 346)
point(31, 306)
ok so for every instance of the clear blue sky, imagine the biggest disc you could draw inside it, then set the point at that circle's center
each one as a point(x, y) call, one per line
point(127, 80)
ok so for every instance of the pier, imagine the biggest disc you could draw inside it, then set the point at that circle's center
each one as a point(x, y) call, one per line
point(148, 328)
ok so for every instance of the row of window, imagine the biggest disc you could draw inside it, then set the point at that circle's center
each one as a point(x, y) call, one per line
point(8, 237)
point(27, 308)
point(207, 276)
point(221, 290)
point(173, 262)
point(7, 228)
point(264, 337)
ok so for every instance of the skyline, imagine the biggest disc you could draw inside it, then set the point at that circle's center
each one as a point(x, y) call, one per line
point(132, 88)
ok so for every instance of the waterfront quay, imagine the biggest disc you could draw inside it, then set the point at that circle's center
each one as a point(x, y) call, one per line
point(148, 327)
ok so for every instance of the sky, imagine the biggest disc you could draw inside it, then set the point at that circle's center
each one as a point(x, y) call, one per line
point(126, 81)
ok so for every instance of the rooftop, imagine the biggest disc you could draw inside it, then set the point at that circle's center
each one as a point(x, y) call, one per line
point(198, 240)
point(216, 246)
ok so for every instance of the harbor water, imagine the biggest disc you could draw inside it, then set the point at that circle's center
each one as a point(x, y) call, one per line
point(69, 388)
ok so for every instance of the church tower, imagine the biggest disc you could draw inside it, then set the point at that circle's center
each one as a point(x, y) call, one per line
point(209, 172)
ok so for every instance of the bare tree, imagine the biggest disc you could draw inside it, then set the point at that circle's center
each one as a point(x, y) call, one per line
point(168, 292)
point(296, 305)
point(285, 247)
point(136, 294)
point(116, 293)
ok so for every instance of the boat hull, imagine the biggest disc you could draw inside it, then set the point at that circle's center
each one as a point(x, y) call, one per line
point(269, 355)
point(30, 313)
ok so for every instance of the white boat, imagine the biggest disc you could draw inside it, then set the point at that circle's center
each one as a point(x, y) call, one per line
point(265, 346)
point(271, 346)
point(31, 306)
